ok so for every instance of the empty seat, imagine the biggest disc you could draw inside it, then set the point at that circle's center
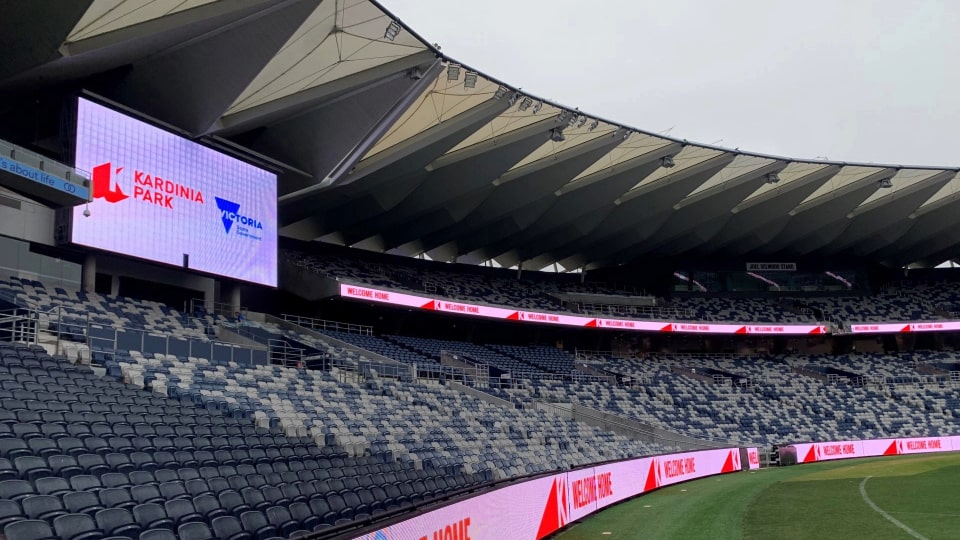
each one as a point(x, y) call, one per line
point(181, 511)
point(194, 531)
point(29, 529)
point(151, 516)
point(282, 520)
point(76, 527)
point(116, 498)
point(45, 507)
point(256, 524)
point(229, 528)
point(157, 534)
point(117, 522)
point(82, 502)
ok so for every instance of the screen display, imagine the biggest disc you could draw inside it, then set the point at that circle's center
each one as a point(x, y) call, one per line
point(164, 198)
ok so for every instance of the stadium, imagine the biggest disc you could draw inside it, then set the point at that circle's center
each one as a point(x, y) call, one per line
point(284, 269)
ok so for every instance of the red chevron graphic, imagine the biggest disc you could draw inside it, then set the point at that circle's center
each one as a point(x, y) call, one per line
point(741, 330)
point(667, 328)
point(653, 477)
point(811, 456)
point(556, 512)
point(893, 449)
point(728, 465)
point(431, 305)
point(591, 324)
point(515, 316)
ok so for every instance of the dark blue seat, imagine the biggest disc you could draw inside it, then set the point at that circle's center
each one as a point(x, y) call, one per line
point(64, 466)
point(151, 516)
point(16, 489)
point(144, 494)
point(77, 527)
point(157, 534)
point(45, 507)
point(304, 515)
point(256, 524)
point(29, 529)
point(116, 497)
point(182, 511)
point(31, 468)
point(229, 528)
point(194, 531)
point(281, 519)
point(82, 502)
point(117, 522)
point(209, 507)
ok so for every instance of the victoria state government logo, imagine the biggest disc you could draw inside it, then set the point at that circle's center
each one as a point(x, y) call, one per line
point(240, 224)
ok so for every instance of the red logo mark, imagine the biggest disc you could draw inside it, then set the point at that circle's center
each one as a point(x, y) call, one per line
point(103, 185)
point(556, 512)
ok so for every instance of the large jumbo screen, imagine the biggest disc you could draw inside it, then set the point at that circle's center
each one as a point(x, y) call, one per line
point(160, 197)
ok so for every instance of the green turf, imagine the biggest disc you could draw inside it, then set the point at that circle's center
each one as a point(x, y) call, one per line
point(810, 501)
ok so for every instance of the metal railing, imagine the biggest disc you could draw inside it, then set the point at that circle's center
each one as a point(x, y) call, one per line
point(629, 428)
point(45, 164)
point(285, 354)
point(332, 326)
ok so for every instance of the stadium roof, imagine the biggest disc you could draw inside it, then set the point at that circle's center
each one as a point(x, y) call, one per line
point(385, 143)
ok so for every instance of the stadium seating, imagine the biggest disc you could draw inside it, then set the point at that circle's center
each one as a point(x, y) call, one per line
point(544, 292)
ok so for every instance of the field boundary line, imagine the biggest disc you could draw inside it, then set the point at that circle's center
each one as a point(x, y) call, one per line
point(888, 517)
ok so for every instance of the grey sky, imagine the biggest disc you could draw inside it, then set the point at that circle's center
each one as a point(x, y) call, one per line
point(852, 80)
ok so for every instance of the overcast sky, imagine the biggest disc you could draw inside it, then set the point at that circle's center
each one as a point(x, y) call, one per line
point(851, 80)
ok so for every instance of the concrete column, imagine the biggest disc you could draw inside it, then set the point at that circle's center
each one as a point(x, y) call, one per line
point(209, 294)
point(235, 301)
point(88, 278)
point(115, 285)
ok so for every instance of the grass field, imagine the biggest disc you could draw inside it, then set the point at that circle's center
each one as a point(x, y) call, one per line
point(822, 500)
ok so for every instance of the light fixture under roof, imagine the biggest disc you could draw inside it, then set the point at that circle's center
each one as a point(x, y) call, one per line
point(525, 103)
point(556, 135)
point(581, 121)
point(514, 98)
point(594, 125)
point(501, 91)
point(392, 31)
point(470, 79)
point(667, 162)
point(453, 72)
point(573, 121)
point(772, 178)
point(886, 183)
point(537, 107)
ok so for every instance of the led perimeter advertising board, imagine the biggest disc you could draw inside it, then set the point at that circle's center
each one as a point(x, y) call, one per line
point(164, 198)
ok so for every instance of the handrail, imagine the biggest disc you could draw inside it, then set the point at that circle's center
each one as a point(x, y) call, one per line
point(32, 158)
point(322, 324)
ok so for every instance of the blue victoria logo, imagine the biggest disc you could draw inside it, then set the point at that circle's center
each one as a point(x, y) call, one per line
point(380, 535)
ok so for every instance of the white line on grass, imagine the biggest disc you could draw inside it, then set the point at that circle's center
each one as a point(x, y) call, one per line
point(888, 517)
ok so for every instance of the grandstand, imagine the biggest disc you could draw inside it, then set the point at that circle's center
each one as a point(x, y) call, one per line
point(286, 299)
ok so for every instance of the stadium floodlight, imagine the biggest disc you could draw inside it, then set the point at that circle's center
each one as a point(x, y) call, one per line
point(573, 121)
point(556, 135)
point(537, 107)
point(514, 98)
point(453, 72)
point(501, 91)
point(582, 121)
point(525, 103)
point(470, 79)
point(772, 178)
point(392, 31)
point(886, 183)
point(594, 125)
point(667, 162)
